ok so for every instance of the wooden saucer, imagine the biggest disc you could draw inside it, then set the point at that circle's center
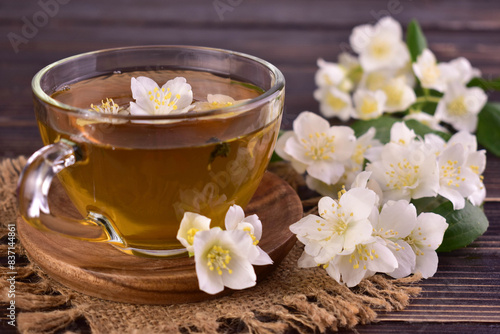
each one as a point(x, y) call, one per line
point(100, 270)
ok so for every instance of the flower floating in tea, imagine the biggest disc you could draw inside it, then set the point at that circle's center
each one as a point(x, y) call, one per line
point(214, 101)
point(108, 107)
point(224, 257)
point(174, 97)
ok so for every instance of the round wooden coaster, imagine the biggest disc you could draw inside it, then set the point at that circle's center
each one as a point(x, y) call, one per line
point(100, 270)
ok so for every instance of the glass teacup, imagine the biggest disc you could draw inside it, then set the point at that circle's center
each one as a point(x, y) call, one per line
point(133, 177)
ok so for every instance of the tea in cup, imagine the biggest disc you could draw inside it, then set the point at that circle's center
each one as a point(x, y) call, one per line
point(132, 177)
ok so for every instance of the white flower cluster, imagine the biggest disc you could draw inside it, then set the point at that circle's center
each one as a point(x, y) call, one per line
point(174, 97)
point(409, 167)
point(382, 79)
point(224, 257)
point(331, 155)
point(373, 227)
point(353, 240)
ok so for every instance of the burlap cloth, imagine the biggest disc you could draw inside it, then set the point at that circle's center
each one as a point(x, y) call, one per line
point(289, 300)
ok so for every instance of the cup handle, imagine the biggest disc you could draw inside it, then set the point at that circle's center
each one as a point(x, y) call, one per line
point(33, 189)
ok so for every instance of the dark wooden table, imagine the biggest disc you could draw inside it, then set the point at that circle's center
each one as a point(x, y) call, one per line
point(464, 295)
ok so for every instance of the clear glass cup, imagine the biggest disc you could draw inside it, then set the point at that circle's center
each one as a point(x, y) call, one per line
point(133, 177)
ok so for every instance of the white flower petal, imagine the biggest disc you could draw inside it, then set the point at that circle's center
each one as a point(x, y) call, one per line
point(334, 103)
point(174, 97)
point(298, 151)
point(234, 216)
point(463, 69)
point(350, 276)
point(325, 171)
point(309, 123)
point(432, 226)
point(361, 180)
point(330, 249)
point(401, 134)
point(385, 262)
point(219, 98)
point(405, 257)
point(405, 172)
point(333, 271)
point(400, 217)
point(179, 86)
point(358, 232)
point(321, 187)
point(426, 263)
point(190, 225)
point(256, 224)
point(306, 261)
point(460, 106)
point(344, 142)
point(453, 196)
point(400, 96)
point(478, 196)
point(368, 104)
point(211, 284)
point(429, 120)
point(465, 138)
point(360, 37)
point(326, 208)
point(329, 74)
point(299, 166)
point(456, 180)
point(223, 258)
point(359, 202)
point(135, 109)
point(281, 143)
point(242, 277)
point(263, 258)
point(380, 46)
point(140, 87)
point(430, 73)
point(476, 161)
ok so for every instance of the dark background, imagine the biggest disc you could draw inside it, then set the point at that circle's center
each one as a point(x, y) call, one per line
point(289, 34)
point(464, 295)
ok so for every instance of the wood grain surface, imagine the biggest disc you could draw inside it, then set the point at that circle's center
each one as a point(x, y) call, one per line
point(463, 297)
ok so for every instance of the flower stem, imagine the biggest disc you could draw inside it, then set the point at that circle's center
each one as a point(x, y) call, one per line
point(424, 99)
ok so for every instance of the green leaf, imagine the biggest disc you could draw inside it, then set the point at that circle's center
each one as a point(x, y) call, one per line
point(486, 85)
point(464, 226)
point(428, 204)
point(275, 157)
point(221, 150)
point(383, 126)
point(488, 134)
point(415, 40)
point(422, 129)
